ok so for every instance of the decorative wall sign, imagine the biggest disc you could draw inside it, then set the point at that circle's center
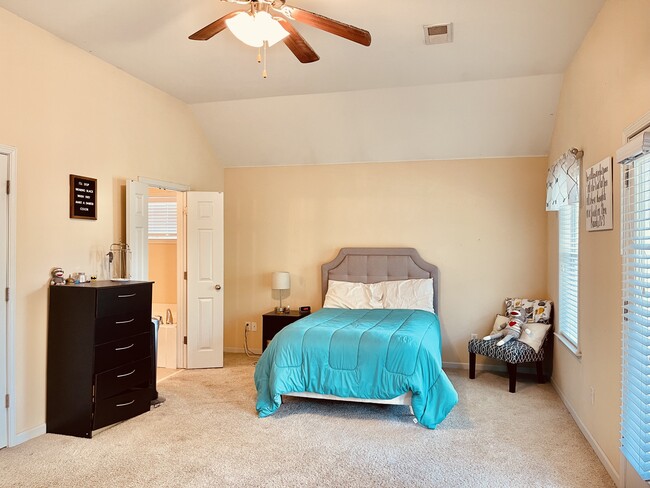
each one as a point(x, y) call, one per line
point(598, 196)
point(83, 197)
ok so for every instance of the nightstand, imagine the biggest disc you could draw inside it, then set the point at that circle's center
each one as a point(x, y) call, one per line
point(274, 322)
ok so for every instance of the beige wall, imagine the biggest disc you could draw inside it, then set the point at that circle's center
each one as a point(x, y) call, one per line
point(605, 90)
point(162, 270)
point(481, 221)
point(68, 112)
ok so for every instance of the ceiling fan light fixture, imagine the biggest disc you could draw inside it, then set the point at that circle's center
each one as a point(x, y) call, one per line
point(253, 30)
point(271, 30)
point(242, 26)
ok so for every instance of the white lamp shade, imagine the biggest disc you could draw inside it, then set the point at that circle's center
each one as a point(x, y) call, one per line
point(272, 31)
point(254, 30)
point(281, 280)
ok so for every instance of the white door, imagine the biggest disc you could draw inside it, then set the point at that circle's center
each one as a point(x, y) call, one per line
point(204, 280)
point(4, 416)
point(137, 228)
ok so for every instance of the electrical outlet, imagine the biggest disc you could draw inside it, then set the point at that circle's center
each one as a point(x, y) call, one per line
point(473, 336)
point(251, 326)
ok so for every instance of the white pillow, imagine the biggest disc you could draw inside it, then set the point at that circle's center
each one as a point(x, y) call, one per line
point(537, 332)
point(345, 294)
point(536, 336)
point(498, 322)
point(408, 294)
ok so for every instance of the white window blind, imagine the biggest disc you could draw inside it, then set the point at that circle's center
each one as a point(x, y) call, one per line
point(569, 231)
point(635, 248)
point(162, 218)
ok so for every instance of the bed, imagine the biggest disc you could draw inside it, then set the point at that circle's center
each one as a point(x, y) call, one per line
point(376, 339)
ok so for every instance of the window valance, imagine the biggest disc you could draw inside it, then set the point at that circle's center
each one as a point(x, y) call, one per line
point(563, 181)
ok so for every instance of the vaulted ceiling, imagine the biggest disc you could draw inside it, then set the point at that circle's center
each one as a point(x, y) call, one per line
point(492, 92)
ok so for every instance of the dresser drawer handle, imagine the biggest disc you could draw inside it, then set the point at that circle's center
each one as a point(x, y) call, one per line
point(120, 322)
point(125, 374)
point(125, 404)
point(126, 296)
point(123, 348)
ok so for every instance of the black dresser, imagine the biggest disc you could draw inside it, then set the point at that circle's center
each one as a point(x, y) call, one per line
point(100, 366)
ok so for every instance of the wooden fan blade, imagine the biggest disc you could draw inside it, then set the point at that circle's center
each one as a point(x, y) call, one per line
point(335, 27)
point(214, 28)
point(297, 44)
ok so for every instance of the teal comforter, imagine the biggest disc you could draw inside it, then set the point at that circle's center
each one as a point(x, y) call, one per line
point(378, 354)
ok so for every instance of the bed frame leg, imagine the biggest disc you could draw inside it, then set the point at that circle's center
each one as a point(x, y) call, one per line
point(415, 421)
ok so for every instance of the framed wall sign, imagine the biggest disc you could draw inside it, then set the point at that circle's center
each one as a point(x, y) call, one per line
point(598, 196)
point(83, 197)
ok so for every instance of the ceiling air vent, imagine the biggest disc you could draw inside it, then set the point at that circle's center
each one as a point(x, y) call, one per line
point(437, 34)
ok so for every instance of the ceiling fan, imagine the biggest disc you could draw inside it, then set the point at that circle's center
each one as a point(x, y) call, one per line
point(266, 22)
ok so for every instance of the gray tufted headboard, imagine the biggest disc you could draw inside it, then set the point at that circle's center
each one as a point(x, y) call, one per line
point(373, 264)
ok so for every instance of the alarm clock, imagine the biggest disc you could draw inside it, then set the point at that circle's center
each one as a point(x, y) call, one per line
point(305, 310)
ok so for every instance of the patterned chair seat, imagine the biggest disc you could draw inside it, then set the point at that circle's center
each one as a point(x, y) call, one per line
point(513, 353)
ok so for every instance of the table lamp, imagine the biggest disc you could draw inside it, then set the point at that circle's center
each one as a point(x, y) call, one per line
point(281, 281)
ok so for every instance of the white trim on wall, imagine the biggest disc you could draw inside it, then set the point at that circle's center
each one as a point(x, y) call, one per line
point(27, 435)
point(12, 154)
point(590, 439)
point(636, 128)
point(165, 185)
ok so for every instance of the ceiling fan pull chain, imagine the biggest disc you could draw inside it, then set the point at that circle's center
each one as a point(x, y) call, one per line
point(264, 56)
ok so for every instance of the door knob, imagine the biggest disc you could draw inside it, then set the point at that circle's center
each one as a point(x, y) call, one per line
point(217, 287)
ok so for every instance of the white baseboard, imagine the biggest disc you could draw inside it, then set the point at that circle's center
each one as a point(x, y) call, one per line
point(590, 439)
point(454, 366)
point(26, 435)
point(240, 350)
point(487, 367)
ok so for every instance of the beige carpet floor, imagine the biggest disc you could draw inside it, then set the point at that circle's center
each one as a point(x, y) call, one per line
point(207, 434)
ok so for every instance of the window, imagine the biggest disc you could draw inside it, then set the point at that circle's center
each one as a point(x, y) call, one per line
point(562, 196)
point(162, 218)
point(569, 230)
point(635, 250)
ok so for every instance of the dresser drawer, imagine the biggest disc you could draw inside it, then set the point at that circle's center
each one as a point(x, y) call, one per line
point(124, 378)
point(121, 407)
point(120, 326)
point(124, 299)
point(117, 353)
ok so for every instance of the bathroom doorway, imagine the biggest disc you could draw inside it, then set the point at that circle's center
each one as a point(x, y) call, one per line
point(198, 321)
point(165, 232)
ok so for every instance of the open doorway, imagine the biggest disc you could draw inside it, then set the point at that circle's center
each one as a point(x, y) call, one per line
point(199, 268)
point(165, 238)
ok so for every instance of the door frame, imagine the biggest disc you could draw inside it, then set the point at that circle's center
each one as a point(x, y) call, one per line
point(181, 285)
point(12, 154)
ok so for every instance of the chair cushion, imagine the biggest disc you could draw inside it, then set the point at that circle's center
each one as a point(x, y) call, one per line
point(514, 351)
